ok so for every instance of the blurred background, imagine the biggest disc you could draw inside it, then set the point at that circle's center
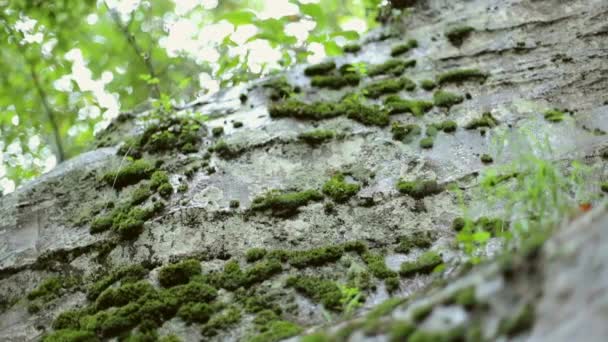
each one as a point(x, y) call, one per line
point(68, 68)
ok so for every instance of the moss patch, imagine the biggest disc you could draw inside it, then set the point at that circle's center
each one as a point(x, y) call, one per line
point(277, 330)
point(457, 35)
point(405, 132)
point(351, 48)
point(389, 86)
point(461, 75)
point(394, 67)
point(130, 174)
point(424, 264)
point(124, 274)
point(486, 158)
point(339, 190)
point(446, 99)
point(228, 318)
point(416, 107)
point(519, 323)
point(217, 131)
point(317, 136)
point(320, 290)
point(279, 88)
point(427, 142)
point(70, 335)
point(179, 273)
point(428, 84)
point(285, 203)
point(419, 189)
point(47, 290)
point(316, 256)
point(402, 48)
point(554, 115)
point(335, 81)
point(421, 239)
point(320, 68)
point(255, 254)
point(486, 120)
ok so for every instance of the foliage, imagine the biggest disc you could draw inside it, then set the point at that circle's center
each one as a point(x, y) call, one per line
point(71, 67)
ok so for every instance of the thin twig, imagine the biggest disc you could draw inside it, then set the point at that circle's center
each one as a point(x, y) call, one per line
point(41, 92)
point(133, 43)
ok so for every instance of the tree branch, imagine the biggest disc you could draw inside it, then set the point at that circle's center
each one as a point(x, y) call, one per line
point(41, 93)
point(133, 43)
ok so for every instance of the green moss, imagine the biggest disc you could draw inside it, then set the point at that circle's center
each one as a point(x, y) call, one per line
point(179, 273)
point(217, 131)
point(279, 88)
point(129, 174)
point(424, 264)
point(486, 158)
point(394, 67)
point(385, 308)
point(428, 84)
point(320, 68)
point(261, 271)
point(339, 190)
point(402, 48)
point(315, 257)
point(335, 81)
point(554, 115)
point(405, 132)
point(400, 331)
point(457, 35)
point(486, 120)
point(367, 115)
point(255, 254)
point(130, 224)
point(604, 187)
point(158, 178)
point(466, 297)
point(446, 99)
point(388, 86)
point(195, 312)
point(316, 337)
point(68, 320)
point(420, 313)
point(226, 151)
point(416, 107)
point(172, 133)
point(68, 335)
point(101, 224)
point(447, 126)
point(427, 142)
point(320, 290)
point(377, 266)
point(170, 338)
point(300, 110)
point(47, 290)
point(223, 321)
point(519, 323)
point(419, 189)
point(351, 48)
point(421, 239)
point(165, 190)
point(458, 224)
point(124, 274)
point(194, 291)
point(461, 75)
point(140, 195)
point(123, 295)
point(285, 203)
point(317, 136)
point(277, 331)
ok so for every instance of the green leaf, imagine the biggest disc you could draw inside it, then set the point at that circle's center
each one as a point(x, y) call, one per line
point(332, 49)
point(239, 17)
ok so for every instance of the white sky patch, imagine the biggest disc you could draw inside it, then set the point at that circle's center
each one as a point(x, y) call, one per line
point(300, 29)
point(33, 142)
point(318, 53)
point(15, 120)
point(277, 9)
point(354, 24)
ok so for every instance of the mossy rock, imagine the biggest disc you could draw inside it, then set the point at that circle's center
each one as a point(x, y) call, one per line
point(426, 263)
point(339, 190)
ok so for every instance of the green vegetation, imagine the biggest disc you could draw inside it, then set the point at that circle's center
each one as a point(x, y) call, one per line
point(124, 274)
point(394, 67)
point(316, 256)
point(424, 264)
point(320, 290)
point(402, 48)
point(339, 190)
point(277, 330)
point(486, 158)
point(129, 174)
point(285, 203)
point(419, 189)
point(179, 273)
point(405, 132)
point(195, 312)
point(320, 68)
point(66, 335)
point(226, 151)
point(446, 99)
point(140, 195)
point(604, 187)
point(47, 290)
point(223, 321)
point(234, 204)
point(335, 81)
point(317, 136)
point(217, 131)
point(427, 142)
point(521, 322)
point(457, 35)
point(400, 331)
point(486, 120)
point(461, 75)
point(351, 48)
point(554, 115)
point(428, 84)
point(255, 254)
point(389, 86)
point(421, 239)
point(416, 107)
point(279, 88)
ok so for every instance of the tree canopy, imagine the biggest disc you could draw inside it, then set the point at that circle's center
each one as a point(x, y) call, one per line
point(70, 67)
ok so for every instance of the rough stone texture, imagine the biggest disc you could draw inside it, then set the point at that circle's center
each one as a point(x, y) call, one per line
point(539, 55)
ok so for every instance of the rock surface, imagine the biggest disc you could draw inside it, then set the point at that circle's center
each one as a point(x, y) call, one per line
point(538, 55)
